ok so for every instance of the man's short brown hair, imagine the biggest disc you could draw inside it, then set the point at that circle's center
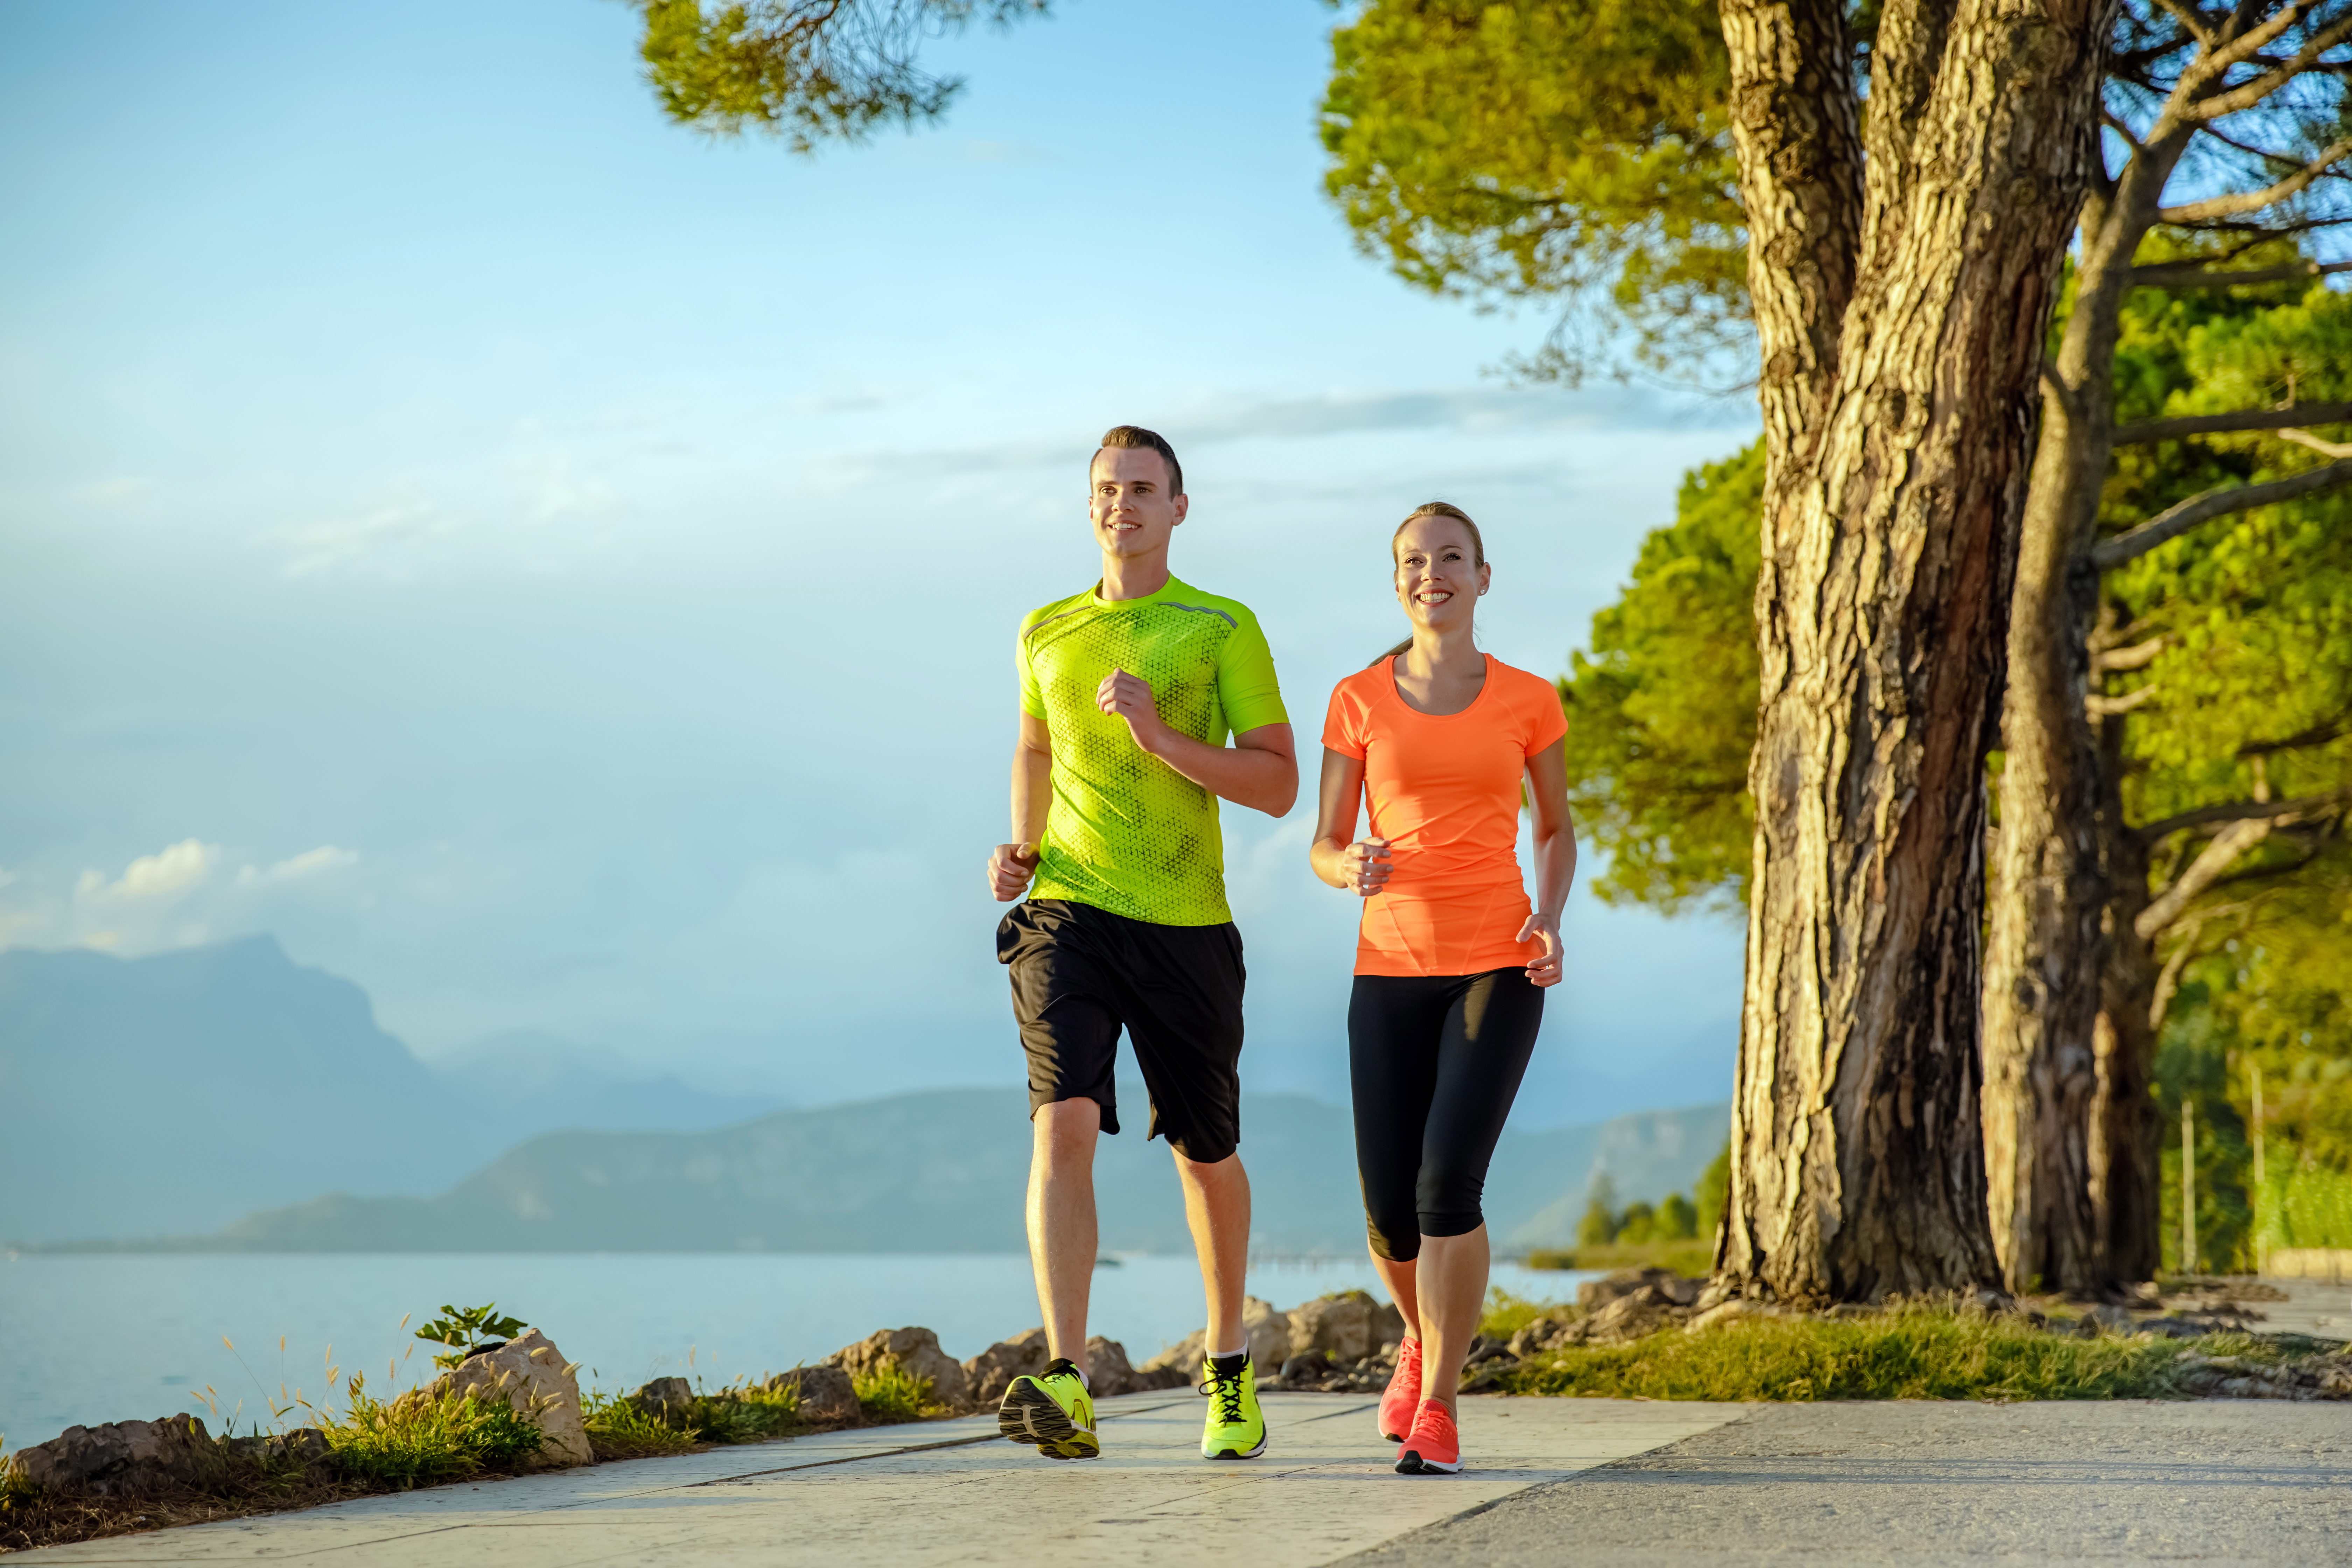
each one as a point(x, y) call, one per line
point(1136, 438)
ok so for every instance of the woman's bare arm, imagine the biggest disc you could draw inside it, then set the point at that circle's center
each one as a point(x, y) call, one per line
point(1363, 867)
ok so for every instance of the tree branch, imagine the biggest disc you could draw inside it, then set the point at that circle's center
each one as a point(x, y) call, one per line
point(2215, 859)
point(2280, 810)
point(2174, 521)
point(2127, 659)
point(2100, 706)
point(2240, 419)
point(2238, 202)
point(2325, 448)
point(2245, 97)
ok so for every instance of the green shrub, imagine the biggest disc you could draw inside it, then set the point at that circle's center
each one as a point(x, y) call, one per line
point(619, 1430)
point(1506, 1314)
point(889, 1394)
point(1905, 1352)
point(1638, 1225)
point(417, 1441)
point(750, 1414)
point(1677, 1219)
point(1692, 1259)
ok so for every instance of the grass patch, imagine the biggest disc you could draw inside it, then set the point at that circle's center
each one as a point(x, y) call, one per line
point(415, 1441)
point(619, 1430)
point(1506, 1314)
point(889, 1394)
point(1692, 1259)
point(741, 1412)
point(1905, 1352)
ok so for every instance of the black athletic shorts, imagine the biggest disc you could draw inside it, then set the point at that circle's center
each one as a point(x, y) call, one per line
point(1080, 973)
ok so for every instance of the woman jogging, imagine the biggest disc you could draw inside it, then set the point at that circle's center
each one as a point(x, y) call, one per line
point(1451, 960)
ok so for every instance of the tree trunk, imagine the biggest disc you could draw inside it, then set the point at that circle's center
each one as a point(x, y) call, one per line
point(1858, 1159)
point(2048, 1119)
point(2049, 894)
point(2126, 1169)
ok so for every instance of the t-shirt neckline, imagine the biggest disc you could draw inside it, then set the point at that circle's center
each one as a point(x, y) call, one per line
point(1388, 681)
point(1173, 584)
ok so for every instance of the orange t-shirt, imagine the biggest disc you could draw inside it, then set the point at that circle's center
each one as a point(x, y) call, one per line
point(1444, 793)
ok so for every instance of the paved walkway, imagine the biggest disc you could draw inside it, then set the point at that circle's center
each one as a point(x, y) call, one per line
point(2316, 1306)
point(952, 1491)
point(2210, 1481)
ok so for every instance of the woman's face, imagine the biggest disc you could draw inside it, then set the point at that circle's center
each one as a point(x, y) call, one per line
point(1436, 581)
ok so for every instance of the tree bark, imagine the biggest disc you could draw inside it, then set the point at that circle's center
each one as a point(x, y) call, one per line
point(2125, 1169)
point(1890, 520)
point(2047, 934)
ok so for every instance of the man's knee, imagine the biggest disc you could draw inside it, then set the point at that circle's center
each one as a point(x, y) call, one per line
point(1065, 1130)
point(1209, 1173)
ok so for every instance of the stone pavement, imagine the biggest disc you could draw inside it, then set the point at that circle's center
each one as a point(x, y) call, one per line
point(2214, 1481)
point(2319, 1308)
point(952, 1491)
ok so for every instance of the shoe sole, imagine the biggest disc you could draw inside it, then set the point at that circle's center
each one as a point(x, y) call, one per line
point(1229, 1454)
point(1411, 1463)
point(1030, 1415)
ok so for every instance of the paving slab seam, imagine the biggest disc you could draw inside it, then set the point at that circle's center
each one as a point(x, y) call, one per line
point(878, 1454)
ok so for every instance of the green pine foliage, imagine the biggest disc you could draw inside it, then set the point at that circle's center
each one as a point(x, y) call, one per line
point(1532, 148)
point(1662, 712)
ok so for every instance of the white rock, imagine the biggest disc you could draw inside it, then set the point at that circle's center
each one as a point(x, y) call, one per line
point(531, 1374)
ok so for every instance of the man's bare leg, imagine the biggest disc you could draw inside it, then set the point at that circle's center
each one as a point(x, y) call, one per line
point(1217, 1207)
point(1061, 1220)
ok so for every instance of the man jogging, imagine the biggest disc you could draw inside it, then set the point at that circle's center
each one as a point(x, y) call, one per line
point(1128, 692)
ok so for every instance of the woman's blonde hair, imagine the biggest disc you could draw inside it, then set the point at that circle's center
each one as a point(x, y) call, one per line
point(1432, 509)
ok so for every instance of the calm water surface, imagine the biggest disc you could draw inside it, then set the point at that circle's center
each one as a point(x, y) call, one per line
point(126, 1338)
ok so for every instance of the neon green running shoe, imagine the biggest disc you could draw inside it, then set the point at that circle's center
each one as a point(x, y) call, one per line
point(1053, 1410)
point(1237, 1427)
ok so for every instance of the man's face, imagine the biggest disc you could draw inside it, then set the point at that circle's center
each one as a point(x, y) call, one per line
point(1132, 510)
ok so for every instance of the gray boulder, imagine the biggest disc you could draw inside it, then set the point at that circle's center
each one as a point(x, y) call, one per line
point(668, 1400)
point(914, 1350)
point(1107, 1372)
point(1267, 1332)
point(988, 1374)
point(827, 1398)
point(1347, 1326)
point(1632, 1316)
point(123, 1458)
point(1677, 1290)
point(303, 1451)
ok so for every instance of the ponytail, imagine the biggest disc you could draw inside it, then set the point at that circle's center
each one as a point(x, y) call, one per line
point(1431, 508)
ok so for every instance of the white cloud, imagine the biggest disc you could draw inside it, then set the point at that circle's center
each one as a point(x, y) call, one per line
point(167, 874)
point(317, 862)
point(315, 547)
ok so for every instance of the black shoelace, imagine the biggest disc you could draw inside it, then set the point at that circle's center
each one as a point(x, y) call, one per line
point(1225, 1388)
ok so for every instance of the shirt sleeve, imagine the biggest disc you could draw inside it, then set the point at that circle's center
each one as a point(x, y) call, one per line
point(1343, 725)
point(1547, 719)
point(1032, 698)
point(1246, 688)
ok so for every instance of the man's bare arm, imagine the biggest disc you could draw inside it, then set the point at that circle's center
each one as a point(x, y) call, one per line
point(1011, 865)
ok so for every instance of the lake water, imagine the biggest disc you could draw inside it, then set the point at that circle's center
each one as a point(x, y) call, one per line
point(91, 1339)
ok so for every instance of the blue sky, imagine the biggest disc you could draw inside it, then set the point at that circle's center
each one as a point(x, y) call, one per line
point(560, 570)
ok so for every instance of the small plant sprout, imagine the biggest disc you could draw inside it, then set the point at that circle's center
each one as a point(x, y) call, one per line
point(466, 1329)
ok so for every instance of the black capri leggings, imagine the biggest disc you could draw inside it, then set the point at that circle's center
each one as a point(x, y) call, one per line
point(1435, 1061)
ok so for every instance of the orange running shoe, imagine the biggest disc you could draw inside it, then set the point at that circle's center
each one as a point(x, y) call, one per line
point(1432, 1447)
point(1402, 1397)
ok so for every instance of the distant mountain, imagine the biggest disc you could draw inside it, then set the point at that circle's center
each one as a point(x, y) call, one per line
point(943, 1170)
point(164, 1096)
point(540, 1084)
point(172, 1093)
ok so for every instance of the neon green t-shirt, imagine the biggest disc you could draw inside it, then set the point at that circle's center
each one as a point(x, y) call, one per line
point(1125, 832)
